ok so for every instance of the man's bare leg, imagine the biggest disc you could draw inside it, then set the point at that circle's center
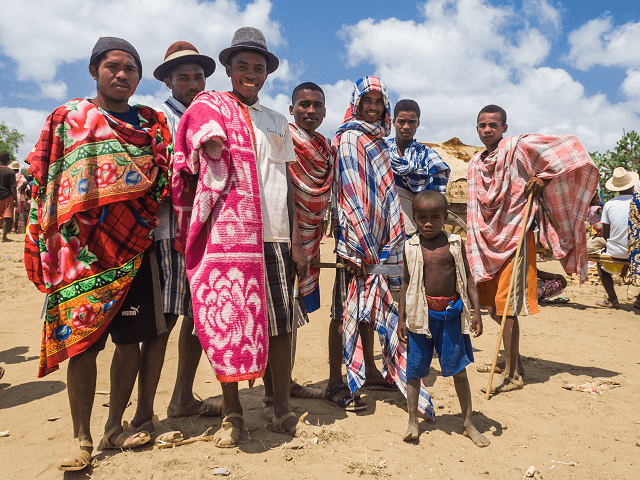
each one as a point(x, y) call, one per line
point(374, 377)
point(510, 378)
point(6, 228)
point(279, 366)
point(335, 353)
point(124, 370)
point(81, 388)
point(413, 395)
point(189, 353)
point(463, 390)
point(231, 403)
point(151, 362)
point(607, 282)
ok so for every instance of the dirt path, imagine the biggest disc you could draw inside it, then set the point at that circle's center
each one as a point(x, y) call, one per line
point(542, 425)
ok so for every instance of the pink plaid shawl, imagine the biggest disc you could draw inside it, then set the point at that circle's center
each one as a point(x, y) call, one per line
point(496, 201)
point(219, 229)
point(311, 177)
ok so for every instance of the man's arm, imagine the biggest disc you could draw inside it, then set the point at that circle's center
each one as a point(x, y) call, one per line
point(536, 185)
point(297, 252)
point(476, 322)
point(606, 231)
point(402, 316)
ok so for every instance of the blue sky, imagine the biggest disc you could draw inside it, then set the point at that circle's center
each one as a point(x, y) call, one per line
point(556, 67)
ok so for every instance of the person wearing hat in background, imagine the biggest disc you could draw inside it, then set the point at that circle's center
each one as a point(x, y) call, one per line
point(184, 71)
point(248, 62)
point(615, 230)
point(8, 195)
point(88, 247)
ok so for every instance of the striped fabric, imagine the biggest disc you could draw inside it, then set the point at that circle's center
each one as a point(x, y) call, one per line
point(496, 201)
point(371, 232)
point(311, 178)
point(421, 168)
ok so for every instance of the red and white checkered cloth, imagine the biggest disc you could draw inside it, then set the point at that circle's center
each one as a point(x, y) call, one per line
point(496, 201)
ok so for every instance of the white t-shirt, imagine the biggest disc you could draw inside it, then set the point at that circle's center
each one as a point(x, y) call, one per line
point(616, 213)
point(274, 150)
point(166, 228)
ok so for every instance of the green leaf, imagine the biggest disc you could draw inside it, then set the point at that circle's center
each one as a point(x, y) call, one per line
point(93, 299)
point(86, 257)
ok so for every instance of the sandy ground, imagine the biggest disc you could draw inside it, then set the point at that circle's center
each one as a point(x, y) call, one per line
point(563, 434)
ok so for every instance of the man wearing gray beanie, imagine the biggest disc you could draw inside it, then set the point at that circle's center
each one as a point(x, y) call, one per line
point(89, 244)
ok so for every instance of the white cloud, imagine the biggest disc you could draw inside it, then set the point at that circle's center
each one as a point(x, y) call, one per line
point(453, 65)
point(598, 42)
point(631, 84)
point(56, 90)
point(26, 121)
point(151, 26)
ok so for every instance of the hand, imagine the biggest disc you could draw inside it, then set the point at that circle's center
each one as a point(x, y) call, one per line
point(402, 331)
point(535, 185)
point(355, 269)
point(300, 260)
point(476, 325)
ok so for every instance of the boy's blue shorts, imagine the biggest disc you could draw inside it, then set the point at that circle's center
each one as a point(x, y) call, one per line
point(453, 347)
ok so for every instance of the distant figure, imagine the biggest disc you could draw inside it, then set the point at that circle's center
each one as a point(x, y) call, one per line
point(435, 309)
point(615, 230)
point(8, 195)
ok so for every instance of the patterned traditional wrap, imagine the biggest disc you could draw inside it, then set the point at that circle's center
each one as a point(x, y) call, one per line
point(496, 201)
point(371, 232)
point(420, 168)
point(311, 178)
point(634, 239)
point(97, 185)
point(216, 196)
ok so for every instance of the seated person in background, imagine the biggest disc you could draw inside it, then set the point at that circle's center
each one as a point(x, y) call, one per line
point(615, 230)
point(550, 285)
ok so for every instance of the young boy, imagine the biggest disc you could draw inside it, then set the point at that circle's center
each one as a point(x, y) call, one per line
point(434, 309)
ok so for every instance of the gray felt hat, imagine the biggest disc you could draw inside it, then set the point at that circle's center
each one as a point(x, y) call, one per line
point(249, 38)
point(106, 44)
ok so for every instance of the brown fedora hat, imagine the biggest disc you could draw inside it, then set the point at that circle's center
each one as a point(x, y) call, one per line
point(183, 52)
point(249, 38)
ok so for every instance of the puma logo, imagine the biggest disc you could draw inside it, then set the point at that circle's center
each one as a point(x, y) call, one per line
point(131, 313)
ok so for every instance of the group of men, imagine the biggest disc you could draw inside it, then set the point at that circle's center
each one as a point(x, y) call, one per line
point(211, 206)
point(14, 191)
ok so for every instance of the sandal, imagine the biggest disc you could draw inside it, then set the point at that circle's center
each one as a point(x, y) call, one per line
point(194, 407)
point(300, 391)
point(124, 440)
point(158, 433)
point(77, 460)
point(349, 403)
point(301, 429)
point(229, 435)
point(608, 304)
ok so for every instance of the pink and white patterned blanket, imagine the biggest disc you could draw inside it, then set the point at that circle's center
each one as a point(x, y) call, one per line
point(216, 198)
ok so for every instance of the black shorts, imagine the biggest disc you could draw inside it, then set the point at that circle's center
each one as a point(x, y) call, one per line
point(135, 322)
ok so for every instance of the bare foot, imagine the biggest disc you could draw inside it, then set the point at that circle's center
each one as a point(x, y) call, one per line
point(412, 434)
point(502, 383)
point(476, 437)
point(375, 378)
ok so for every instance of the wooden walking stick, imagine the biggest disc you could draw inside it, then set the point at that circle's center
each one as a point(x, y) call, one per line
point(511, 281)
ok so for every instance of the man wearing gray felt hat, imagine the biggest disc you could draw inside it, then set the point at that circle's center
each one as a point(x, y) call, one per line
point(249, 38)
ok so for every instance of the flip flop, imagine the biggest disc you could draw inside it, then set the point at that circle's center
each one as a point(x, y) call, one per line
point(77, 460)
point(194, 407)
point(158, 432)
point(229, 435)
point(607, 304)
point(124, 440)
point(348, 403)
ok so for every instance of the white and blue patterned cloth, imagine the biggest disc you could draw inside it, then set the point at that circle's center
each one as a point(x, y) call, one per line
point(421, 168)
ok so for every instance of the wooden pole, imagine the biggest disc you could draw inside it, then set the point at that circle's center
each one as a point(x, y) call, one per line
point(523, 234)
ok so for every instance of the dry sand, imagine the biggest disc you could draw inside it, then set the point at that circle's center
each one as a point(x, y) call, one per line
point(563, 434)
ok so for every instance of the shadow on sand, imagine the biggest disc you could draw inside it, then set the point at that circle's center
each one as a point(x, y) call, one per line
point(12, 396)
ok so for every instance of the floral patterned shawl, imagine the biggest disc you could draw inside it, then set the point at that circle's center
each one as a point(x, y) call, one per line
point(97, 185)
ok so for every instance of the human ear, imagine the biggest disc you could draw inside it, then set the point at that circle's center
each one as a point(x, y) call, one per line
point(93, 72)
point(290, 109)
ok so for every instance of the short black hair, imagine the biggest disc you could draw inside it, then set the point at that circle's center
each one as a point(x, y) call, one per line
point(5, 158)
point(428, 196)
point(305, 86)
point(406, 106)
point(494, 109)
point(98, 60)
